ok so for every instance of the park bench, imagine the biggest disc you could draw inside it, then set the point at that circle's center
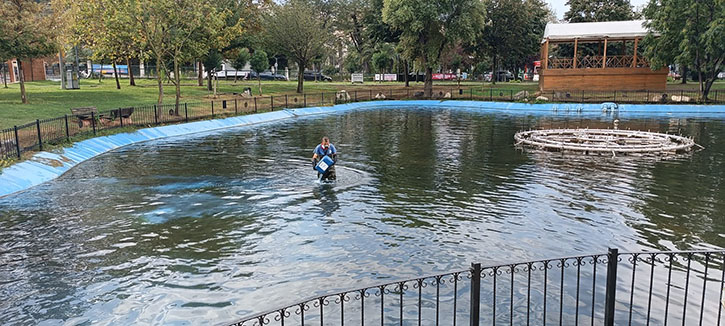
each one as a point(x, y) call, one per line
point(86, 114)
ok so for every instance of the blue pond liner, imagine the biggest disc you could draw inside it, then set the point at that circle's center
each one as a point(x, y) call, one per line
point(46, 166)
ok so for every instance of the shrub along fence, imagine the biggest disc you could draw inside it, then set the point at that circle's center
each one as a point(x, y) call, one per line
point(640, 288)
point(89, 122)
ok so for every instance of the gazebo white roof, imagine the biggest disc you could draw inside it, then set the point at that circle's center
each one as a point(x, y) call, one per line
point(595, 31)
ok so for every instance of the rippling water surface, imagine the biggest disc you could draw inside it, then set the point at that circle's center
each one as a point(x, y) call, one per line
point(214, 227)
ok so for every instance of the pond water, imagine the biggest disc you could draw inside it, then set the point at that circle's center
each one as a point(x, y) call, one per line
point(213, 227)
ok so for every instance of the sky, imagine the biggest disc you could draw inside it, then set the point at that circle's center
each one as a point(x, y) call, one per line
point(560, 6)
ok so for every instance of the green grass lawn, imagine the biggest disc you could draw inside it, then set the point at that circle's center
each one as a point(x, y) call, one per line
point(47, 100)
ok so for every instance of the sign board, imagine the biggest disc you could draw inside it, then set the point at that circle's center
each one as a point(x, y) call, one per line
point(386, 77)
point(444, 76)
point(537, 63)
point(356, 78)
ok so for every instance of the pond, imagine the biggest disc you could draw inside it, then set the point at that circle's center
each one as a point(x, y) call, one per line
point(216, 226)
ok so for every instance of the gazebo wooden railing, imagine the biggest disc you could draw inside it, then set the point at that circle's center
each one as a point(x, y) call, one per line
point(615, 61)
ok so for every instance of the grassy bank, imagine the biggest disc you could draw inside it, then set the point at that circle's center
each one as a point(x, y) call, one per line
point(47, 100)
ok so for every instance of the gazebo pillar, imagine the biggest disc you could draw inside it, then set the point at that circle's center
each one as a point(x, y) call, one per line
point(604, 58)
point(545, 64)
point(576, 42)
point(634, 57)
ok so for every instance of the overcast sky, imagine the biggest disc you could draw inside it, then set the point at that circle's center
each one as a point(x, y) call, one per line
point(560, 6)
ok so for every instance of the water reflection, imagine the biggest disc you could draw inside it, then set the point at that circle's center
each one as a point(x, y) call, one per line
point(193, 229)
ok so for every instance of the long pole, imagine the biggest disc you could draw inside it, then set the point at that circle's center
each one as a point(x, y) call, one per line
point(67, 132)
point(17, 141)
point(475, 294)
point(611, 286)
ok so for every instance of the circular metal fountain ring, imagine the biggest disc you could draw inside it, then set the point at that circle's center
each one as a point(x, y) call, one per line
point(604, 141)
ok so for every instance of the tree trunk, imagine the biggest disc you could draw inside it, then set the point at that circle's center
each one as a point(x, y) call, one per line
point(61, 65)
point(177, 82)
point(131, 81)
point(259, 82)
point(208, 81)
point(428, 84)
point(683, 76)
point(21, 78)
point(159, 79)
point(115, 74)
point(300, 75)
point(201, 74)
point(5, 78)
point(407, 72)
point(708, 86)
point(236, 73)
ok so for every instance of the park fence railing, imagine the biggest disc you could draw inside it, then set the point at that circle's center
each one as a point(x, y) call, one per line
point(613, 288)
point(40, 133)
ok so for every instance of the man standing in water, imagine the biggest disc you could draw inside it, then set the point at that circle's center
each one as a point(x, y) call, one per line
point(322, 150)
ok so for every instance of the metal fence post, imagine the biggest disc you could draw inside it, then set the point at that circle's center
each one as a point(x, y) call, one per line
point(615, 96)
point(304, 97)
point(271, 101)
point(120, 118)
point(212, 109)
point(355, 96)
point(371, 94)
point(511, 93)
point(236, 112)
point(93, 122)
point(490, 94)
point(186, 112)
point(156, 115)
point(255, 104)
point(40, 140)
point(475, 294)
point(286, 101)
point(611, 291)
point(67, 132)
point(681, 93)
point(322, 98)
point(17, 141)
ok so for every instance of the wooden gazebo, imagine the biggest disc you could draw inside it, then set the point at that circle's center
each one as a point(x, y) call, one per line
point(600, 56)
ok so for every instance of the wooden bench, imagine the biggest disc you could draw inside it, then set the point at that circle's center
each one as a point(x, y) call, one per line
point(84, 115)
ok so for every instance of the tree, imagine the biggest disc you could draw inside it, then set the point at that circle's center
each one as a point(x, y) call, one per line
point(513, 33)
point(259, 63)
point(381, 61)
point(212, 61)
point(688, 32)
point(25, 33)
point(428, 28)
point(4, 57)
point(581, 11)
point(240, 61)
point(296, 30)
point(178, 31)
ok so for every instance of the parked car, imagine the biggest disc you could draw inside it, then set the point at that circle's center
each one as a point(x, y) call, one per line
point(503, 76)
point(320, 76)
point(721, 75)
point(265, 76)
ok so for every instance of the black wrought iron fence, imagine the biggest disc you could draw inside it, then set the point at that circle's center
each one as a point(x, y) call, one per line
point(40, 133)
point(649, 288)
